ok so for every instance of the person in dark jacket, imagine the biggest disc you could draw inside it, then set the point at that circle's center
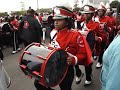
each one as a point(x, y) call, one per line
point(30, 29)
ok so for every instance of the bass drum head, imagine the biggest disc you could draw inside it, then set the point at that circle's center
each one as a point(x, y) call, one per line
point(56, 68)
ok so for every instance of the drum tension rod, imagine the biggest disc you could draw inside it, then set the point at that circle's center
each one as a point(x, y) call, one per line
point(23, 66)
point(41, 57)
point(27, 52)
point(36, 73)
point(29, 76)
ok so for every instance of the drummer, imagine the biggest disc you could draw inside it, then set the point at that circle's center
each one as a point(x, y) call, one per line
point(71, 41)
point(90, 26)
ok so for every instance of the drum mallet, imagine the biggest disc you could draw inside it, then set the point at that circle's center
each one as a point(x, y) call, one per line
point(44, 30)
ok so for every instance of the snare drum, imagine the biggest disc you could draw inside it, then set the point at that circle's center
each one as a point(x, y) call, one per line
point(47, 65)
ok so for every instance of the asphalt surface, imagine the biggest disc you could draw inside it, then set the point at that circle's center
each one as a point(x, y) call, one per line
point(22, 82)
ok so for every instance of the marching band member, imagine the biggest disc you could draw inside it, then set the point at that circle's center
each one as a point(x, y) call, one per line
point(105, 25)
point(71, 41)
point(91, 30)
point(113, 24)
point(14, 24)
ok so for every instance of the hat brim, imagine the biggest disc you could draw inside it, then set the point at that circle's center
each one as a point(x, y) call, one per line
point(59, 17)
point(101, 9)
point(86, 12)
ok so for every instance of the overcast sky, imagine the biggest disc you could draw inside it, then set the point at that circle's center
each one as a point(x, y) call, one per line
point(12, 5)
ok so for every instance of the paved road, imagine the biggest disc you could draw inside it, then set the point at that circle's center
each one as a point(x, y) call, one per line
point(21, 82)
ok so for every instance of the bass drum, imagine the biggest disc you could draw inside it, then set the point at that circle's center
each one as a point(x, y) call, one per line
point(47, 65)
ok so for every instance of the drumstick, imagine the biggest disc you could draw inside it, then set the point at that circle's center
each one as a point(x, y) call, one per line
point(44, 30)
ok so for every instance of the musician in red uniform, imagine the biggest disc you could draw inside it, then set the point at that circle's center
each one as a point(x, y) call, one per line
point(112, 23)
point(14, 24)
point(40, 17)
point(105, 25)
point(71, 41)
point(92, 31)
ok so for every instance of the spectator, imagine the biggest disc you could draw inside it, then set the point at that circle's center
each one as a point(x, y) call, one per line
point(111, 63)
point(30, 29)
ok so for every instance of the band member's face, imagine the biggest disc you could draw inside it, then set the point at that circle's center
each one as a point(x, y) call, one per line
point(60, 24)
point(109, 13)
point(88, 16)
point(101, 12)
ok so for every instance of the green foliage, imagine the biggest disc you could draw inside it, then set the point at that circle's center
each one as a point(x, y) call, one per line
point(20, 12)
point(42, 10)
point(49, 10)
point(114, 4)
point(2, 14)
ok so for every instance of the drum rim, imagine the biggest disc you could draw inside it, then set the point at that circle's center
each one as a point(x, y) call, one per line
point(21, 56)
point(42, 81)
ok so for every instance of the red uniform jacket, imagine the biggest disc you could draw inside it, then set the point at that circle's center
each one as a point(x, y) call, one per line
point(15, 24)
point(40, 18)
point(113, 25)
point(105, 20)
point(95, 27)
point(73, 42)
point(98, 31)
point(112, 22)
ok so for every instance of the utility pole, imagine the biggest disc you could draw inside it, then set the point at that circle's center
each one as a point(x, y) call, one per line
point(22, 6)
point(37, 5)
point(93, 2)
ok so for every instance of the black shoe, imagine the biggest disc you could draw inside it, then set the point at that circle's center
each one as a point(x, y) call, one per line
point(95, 57)
point(78, 79)
point(98, 65)
point(87, 83)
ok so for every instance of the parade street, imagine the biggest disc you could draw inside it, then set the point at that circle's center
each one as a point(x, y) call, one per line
point(21, 82)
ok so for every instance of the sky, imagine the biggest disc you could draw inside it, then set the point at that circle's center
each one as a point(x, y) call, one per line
point(13, 5)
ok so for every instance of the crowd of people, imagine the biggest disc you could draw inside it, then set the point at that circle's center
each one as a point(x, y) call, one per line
point(11, 25)
point(85, 35)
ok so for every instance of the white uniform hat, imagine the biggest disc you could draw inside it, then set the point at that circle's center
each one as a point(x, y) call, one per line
point(107, 5)
point(88, 9)
point(61, 12)
point(109, 9)
point(101, 6)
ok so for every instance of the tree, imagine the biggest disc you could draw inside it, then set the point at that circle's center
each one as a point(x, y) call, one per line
point(2, 14)
point(114, 4)
point(76, 4)
point(42, 10)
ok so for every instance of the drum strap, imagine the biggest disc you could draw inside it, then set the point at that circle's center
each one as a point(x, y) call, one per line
point(82, 25)
point(53, 37)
